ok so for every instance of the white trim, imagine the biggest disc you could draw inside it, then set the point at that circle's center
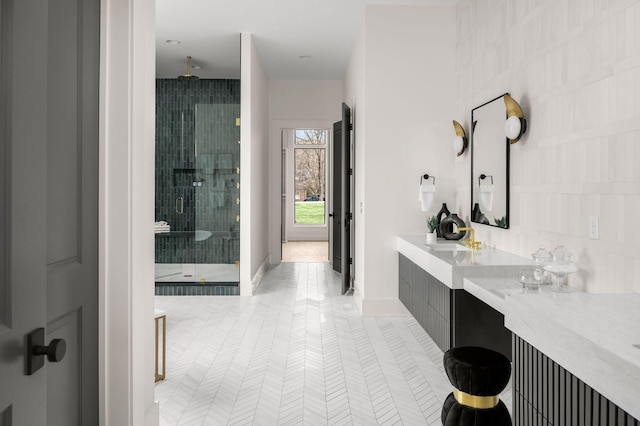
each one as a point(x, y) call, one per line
point(293, 231)
point(257, 278)
point(246, 45)
point(275, 196)
point(126, 206)
point(277, 221)
point(384, 307)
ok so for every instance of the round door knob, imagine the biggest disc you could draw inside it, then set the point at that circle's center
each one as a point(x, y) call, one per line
point(54, 352)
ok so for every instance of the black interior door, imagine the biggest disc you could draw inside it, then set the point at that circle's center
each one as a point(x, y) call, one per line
point(336, 204)
point(341, 214)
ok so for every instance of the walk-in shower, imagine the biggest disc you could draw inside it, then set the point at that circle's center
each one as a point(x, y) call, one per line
point(197, 244)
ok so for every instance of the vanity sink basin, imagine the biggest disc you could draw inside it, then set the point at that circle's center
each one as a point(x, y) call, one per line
point(448, 247)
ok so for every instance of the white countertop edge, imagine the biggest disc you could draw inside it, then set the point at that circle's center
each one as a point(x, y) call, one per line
point(434, 266)
point(489, 296)
point(612, 376)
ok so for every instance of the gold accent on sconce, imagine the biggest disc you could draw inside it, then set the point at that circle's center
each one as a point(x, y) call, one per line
point(513, 130)
point(460, 142)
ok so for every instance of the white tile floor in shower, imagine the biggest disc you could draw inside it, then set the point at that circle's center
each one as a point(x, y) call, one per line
point(296, 353)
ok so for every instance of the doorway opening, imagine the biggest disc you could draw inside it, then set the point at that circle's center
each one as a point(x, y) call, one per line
point(305, 231)
point(305, 251)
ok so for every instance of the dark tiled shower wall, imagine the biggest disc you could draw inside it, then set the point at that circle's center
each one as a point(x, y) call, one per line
point(197, 140)
point(171, 248)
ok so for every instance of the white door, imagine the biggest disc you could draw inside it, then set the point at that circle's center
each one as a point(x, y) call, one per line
point(49, 62)
point(306, 158)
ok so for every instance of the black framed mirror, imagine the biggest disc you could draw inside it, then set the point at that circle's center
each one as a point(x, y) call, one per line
point(490, 164)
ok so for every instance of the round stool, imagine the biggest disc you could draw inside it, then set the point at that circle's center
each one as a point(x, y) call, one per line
point(478, 375)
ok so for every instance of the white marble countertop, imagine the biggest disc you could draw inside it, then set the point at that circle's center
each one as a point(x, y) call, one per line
point(451, 266)
point(596, 337)
point(493, 291)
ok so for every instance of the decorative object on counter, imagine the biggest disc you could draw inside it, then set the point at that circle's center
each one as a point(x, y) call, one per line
point(470, 242)
point(426, 192)
point(516, 125)
point(448, 227)
point(460, 141)
point(531, 278)
point(542, 257)
point(478, 375)
point(443, 213)
point(561, 266)
point(432, 228)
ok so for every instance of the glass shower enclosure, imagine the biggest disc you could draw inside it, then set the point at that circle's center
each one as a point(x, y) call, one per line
point(197, 244)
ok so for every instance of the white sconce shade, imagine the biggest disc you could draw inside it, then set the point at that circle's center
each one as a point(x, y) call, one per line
point(458, 144)
point(512, 127)
point(516, 125)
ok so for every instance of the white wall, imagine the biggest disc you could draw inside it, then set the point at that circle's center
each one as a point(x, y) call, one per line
point(254, 130)
point(295, 104)
point(305, 100)
point(574, 66)
point(127, 140)
point(403, 61)
point(355, 96)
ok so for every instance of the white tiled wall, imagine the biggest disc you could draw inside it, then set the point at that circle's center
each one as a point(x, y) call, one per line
point(574, 67)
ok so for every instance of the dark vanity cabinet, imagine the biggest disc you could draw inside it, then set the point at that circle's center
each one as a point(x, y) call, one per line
point(544, 393)
point(450, 317)
point(428, 300)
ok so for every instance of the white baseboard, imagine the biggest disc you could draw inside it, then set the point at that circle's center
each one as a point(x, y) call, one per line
point(262, 270)
point(379, 307)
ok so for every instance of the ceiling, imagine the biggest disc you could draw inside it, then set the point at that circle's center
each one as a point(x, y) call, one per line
point(296, 39)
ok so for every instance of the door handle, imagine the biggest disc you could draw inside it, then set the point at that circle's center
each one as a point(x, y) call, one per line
point(180, 205)
point(36, 351)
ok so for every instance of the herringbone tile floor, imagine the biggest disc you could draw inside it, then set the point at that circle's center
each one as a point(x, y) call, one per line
point(296, 353)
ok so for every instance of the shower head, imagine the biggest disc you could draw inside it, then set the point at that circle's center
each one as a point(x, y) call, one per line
point(188, 76)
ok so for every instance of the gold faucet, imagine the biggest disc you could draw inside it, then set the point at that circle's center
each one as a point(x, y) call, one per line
point(471, 242)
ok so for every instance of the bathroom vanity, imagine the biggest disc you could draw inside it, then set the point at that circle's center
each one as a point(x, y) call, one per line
point(431, 287)
point(576, 356)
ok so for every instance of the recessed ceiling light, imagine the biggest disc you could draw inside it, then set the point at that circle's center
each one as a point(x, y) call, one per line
point(196, 67)
point(304, 57)
point(173, 41)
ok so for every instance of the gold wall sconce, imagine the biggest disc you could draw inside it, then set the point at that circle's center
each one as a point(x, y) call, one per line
point(460, 141)
point(516, 124)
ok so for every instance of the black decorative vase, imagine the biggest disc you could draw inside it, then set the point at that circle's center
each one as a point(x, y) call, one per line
point(447, 227)
point(443, 211)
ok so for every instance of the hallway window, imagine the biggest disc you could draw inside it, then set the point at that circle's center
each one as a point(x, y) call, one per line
point(310, 176)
